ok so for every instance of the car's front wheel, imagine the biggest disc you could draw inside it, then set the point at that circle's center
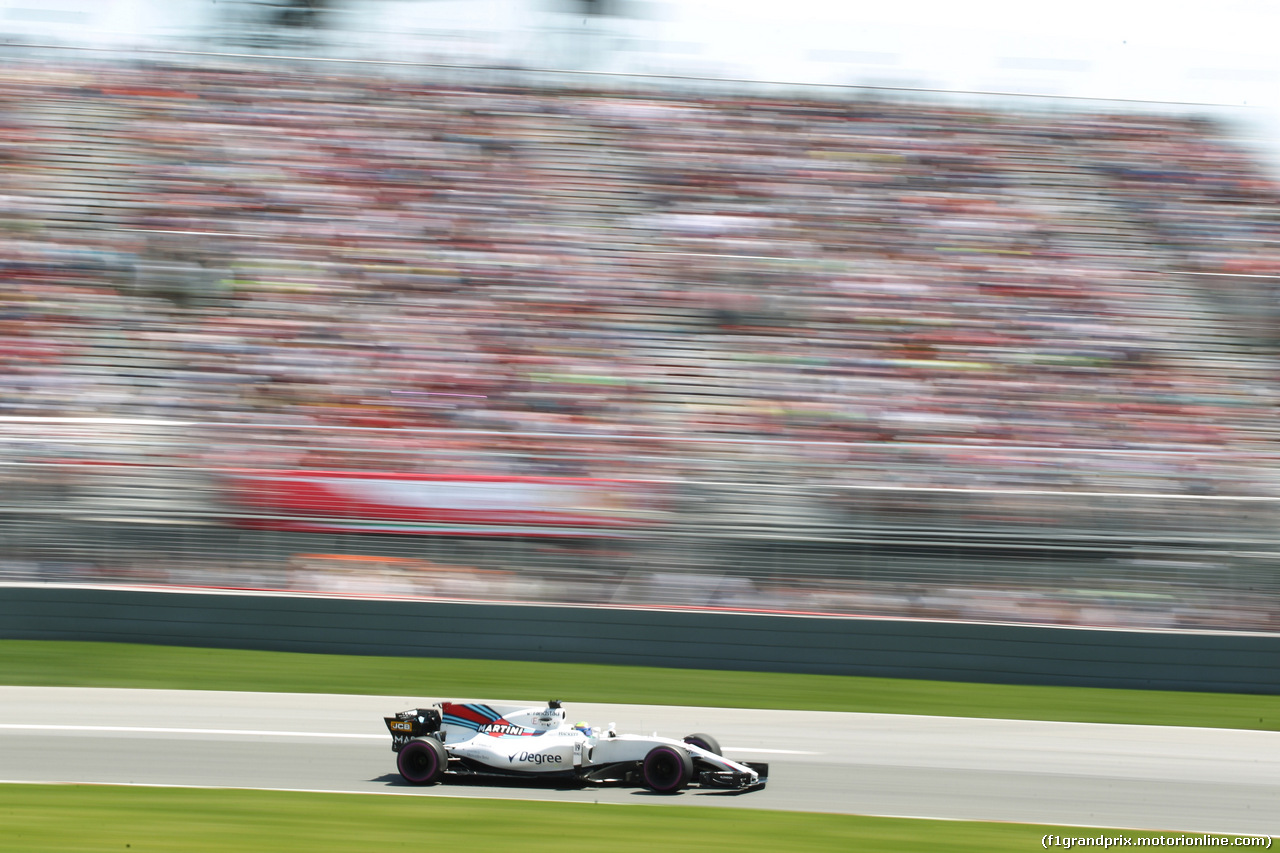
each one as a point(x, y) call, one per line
point(422, 762)
point(666, 769)
point(704, 741)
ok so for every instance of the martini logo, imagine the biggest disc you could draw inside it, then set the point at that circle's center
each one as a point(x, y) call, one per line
point(502, 728)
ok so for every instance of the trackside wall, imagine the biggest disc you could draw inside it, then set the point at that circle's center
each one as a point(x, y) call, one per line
point(957, 651)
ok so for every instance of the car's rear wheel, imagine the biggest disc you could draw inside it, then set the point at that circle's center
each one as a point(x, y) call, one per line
point(422, 762)
point(666, 769)
point(706, 742)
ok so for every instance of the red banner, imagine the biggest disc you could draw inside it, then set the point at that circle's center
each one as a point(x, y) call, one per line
point(421, 503)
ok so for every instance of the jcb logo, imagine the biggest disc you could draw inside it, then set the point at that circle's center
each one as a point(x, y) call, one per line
point(402, 726)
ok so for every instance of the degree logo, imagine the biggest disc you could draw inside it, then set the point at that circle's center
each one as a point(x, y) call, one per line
point(535, 758)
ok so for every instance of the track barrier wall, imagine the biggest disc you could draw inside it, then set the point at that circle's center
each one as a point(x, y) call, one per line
point(955, 651)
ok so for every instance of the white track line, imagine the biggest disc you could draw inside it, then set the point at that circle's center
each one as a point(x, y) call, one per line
point(773, 751)
point(177, 731)
point(266, 733)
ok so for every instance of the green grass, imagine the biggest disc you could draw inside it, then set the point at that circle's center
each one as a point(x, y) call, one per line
point(123, 665)
point(43, 819)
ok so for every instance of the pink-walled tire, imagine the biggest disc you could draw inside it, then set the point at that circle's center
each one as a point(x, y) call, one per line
point(666, 769)
point(422, 762)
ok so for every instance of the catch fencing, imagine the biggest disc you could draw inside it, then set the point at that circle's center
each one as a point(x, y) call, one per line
point(780, 527)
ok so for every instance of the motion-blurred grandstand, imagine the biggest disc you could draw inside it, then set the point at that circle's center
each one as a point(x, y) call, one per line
point(621, 344)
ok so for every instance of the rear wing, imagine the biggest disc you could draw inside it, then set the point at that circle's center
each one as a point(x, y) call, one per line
point(415, 723)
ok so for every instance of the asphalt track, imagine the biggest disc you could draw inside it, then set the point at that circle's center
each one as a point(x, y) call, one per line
point(1091, 775)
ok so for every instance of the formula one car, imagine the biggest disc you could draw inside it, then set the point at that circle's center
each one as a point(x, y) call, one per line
point(455, 740)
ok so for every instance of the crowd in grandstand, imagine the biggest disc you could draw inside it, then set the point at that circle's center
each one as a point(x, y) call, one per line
point(515, 268)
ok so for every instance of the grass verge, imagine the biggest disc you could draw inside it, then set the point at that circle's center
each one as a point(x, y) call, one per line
point(75, 664)
point(161, 820)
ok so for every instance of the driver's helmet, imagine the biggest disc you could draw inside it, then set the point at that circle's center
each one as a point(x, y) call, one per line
point(585, 728)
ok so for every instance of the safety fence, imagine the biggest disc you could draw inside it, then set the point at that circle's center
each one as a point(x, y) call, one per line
point(176, 502)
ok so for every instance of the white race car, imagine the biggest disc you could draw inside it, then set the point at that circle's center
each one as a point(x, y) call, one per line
point(454, 739)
